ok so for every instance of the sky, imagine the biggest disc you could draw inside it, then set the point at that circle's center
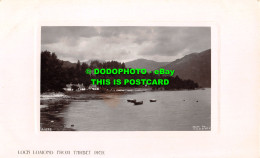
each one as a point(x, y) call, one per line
point(162, 44)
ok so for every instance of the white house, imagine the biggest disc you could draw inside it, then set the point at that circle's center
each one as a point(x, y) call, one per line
point(80, 87)
point(93, 87)
point(68, 87)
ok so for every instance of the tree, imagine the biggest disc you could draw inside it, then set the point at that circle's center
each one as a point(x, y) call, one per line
point(74, 88)
point(51, 72)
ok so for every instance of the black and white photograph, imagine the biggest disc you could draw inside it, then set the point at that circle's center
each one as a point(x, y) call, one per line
point(174, 93)
point(129, 79)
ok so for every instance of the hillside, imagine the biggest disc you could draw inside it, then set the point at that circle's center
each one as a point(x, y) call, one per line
point(68, 64)
point(195, 66)
point(149, 65)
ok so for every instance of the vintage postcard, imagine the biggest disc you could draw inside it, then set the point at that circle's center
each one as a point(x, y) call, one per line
point(129, 79)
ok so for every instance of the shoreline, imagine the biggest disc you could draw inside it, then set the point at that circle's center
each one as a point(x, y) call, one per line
point(68, 94)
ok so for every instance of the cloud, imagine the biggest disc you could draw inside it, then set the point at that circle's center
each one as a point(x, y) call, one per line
point(124, 43)
point(53, 34)
point(172, 41)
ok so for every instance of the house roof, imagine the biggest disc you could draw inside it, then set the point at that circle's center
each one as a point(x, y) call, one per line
point(81, 85)
point(68, 85)
point(78, 85)
point(92, 86)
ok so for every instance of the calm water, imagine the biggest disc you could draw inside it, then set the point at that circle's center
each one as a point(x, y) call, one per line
point(169, 113)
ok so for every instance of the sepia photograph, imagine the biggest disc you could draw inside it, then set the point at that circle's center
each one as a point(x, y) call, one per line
point(129, 79)
point(86, 82)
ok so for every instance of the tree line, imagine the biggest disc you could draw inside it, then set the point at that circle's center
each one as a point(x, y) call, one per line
point(55, 76)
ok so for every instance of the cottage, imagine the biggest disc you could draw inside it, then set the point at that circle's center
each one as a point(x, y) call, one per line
point(81, 87)
point(75, 87)
point(93, 87)
point(68, 87)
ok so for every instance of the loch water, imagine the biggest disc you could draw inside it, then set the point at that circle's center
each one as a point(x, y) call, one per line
point(173, 111)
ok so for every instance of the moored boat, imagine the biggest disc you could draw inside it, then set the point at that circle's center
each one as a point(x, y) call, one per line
point(138, 102)
point(131, 100)
point(152, 100)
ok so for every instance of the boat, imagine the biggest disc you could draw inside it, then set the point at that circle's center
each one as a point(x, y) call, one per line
point(138, 102)
point(152, 100)
point(131, 100)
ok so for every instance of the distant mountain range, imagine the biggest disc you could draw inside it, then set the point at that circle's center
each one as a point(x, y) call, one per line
point(89, 61)
point(68, 64)
point(195, 66)
point(149, 65)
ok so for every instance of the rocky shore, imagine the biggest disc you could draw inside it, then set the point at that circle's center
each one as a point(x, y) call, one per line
point(53, 104)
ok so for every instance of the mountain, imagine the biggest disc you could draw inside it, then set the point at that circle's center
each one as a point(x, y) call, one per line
point(89, 61)
point(149, 65)
point(195, 66)
point(68, 64)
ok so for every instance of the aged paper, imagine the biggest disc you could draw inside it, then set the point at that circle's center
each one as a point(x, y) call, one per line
point(235, 66)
